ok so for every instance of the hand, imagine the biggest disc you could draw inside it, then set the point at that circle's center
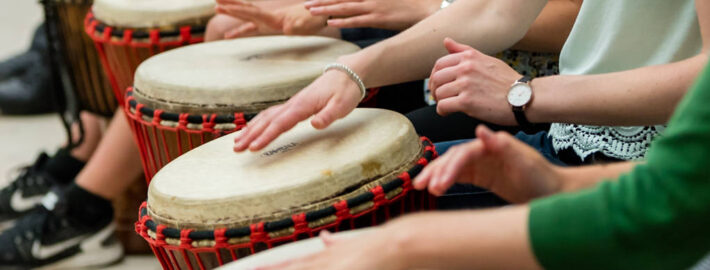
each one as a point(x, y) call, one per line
point(369, 251)
point(497, 162)
point(387, 14)
point(289, 20)
point(330, 97)
point(469, 81)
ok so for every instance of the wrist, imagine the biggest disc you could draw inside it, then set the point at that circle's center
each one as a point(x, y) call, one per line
point(536, 110)
point(363, 63)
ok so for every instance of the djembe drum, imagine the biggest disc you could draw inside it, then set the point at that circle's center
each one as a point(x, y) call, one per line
point(126, 32)
point(79, 57)
point(191, 95)
point(212, 206)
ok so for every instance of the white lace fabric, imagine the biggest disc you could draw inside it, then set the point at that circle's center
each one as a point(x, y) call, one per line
point(627, 143)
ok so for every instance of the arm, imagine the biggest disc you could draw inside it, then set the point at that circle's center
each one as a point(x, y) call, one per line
point(643, 96)
point(655, 217)
point(447, 240)
point(476, 84)
point(511, 169)
point(659, 210)
point(496, 239)
point(490, 25)
point(550, 30)
point(582, 177)
point(547, 34)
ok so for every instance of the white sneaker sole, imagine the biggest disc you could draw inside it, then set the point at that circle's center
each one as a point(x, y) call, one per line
point(92, 254)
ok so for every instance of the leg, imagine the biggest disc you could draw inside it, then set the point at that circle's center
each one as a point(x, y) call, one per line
point(115, 164)
point(79, 211)
point(92, 136)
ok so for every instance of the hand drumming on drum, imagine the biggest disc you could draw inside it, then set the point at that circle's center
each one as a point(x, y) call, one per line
point(465, 80)
point(386, 14)
point(291, 19)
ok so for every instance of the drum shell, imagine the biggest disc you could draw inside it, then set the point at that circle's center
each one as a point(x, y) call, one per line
point(122, 50)
point(162, 140)
point(78, 55)
point(186, 256)
point(379, 201)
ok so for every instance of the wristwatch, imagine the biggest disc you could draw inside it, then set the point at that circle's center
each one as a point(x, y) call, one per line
point(519, 97)
point(446, 3)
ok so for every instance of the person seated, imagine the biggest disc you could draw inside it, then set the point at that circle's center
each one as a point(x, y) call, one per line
point(65, 199)
point(534, 55)
point(609, 103)
point(629, 215)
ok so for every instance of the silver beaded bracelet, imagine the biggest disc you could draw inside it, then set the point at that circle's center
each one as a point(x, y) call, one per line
point(351, 74)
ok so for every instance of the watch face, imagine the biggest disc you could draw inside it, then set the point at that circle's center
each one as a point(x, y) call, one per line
point(519, 94)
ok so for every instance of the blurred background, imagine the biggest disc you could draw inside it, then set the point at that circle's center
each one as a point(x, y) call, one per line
point(23, 137)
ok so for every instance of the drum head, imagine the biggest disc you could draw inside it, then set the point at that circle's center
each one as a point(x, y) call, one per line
point(287, 252)
point(211, 186)
point(153, 13)
point(241, 75)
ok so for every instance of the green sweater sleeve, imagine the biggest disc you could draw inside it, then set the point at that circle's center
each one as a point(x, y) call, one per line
point(655, 217)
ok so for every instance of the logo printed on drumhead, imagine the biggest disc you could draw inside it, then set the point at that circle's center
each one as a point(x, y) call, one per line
point(281, 149)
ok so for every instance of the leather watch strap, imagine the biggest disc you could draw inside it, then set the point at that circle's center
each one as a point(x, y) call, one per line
point(521, 118)
point(519, 112)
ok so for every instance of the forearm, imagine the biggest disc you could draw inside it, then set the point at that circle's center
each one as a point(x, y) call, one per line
point(643, 96)
point(490, 26)
point(658, 210)
point(550, 30)
point(582, 177)
point(491, 239)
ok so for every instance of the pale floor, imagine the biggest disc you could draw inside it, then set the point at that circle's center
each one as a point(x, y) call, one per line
point(22, 138)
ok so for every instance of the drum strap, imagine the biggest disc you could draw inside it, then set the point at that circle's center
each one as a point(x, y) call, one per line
point(63, 96)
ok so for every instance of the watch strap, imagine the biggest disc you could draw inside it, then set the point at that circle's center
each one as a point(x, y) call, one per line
point(520, 117)
point(519, 111)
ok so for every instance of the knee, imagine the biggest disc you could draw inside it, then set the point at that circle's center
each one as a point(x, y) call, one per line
point(218, 26)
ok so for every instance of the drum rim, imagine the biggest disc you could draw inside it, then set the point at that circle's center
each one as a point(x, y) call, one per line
point(95, 28)
point(190, 121)
point(256, 232)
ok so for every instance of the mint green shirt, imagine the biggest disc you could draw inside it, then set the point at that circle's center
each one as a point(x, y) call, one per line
point(655, 217)
point(617, 35)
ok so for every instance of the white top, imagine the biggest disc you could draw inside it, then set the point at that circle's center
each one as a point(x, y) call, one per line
point(212, 186)
point(614, 35)
point(152, 13)
point(245, 75)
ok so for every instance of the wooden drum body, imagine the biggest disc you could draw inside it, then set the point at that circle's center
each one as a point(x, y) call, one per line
point(126, 32)
point(79, 57)
point(188, 96)
point(212, 206)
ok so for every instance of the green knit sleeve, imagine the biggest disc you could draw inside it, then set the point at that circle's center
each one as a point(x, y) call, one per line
point(655, 217)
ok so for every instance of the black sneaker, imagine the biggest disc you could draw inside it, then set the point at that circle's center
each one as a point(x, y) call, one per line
point(47, 238)
point(25, 192)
